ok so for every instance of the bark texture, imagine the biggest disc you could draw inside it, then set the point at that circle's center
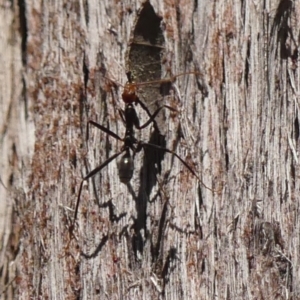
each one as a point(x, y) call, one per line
point(165, 235)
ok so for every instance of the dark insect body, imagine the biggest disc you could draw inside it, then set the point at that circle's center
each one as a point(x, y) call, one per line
point(131, 145)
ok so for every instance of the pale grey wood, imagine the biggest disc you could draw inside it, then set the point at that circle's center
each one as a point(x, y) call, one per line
point(16, 144)
point(242, 138)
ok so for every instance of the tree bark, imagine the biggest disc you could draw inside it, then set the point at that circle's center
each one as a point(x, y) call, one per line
point(228, 231)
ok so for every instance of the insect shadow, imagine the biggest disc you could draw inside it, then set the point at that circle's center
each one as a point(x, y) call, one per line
point(131, 145)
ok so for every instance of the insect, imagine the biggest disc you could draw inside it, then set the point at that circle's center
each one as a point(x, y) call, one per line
point(130, 96)
point(131, 145)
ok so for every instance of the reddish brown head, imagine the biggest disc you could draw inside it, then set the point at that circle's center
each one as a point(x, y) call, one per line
point(129, 93)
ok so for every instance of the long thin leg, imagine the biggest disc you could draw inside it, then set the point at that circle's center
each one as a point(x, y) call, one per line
point(122, 115)
point(175, 154)
point(104, 129)
point(171, 79)
point(152, 117)
point(89, 175)
point(145, 108)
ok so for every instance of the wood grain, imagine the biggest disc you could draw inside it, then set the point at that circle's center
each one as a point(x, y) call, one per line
point(237, 126)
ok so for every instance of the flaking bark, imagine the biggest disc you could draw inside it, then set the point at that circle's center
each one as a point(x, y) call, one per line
point(164, 235)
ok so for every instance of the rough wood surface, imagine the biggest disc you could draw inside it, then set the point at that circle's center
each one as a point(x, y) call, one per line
point(164, 235)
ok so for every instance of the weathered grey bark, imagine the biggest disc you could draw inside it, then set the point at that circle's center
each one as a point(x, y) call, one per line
point(238, 126)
